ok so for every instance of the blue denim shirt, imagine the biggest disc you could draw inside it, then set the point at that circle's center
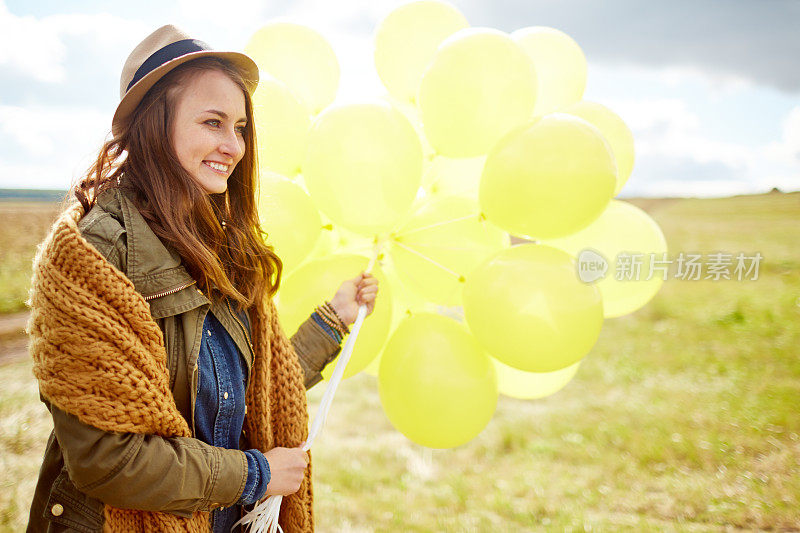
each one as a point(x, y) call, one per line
point(219, 409)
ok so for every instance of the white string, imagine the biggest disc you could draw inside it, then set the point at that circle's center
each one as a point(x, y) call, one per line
point(435, 225)
point(264, 516)
point(426, 258)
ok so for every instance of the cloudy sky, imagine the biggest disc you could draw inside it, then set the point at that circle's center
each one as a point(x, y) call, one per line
point(711, 89)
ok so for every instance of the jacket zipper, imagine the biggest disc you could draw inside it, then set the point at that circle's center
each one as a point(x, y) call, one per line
point(170, 291)
point(195, 377)
point(246, 336)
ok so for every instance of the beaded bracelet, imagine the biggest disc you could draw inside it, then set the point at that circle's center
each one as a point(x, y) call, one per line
point(331, 324)
point(333, 315)
point(332, 318)
point(330, 306)
point(325, 318)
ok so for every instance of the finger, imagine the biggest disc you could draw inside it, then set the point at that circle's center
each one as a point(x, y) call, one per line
point(368, 286)
point(367, 296)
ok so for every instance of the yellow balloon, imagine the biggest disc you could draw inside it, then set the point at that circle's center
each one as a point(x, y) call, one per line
point(548, 178)
point(349, 242)
point(441, 244)
point(406, 40)
point(363, 166)
point(621, 229)
point(480, 85)
point(289, 217)
point(373, 366)
point(615, 131)
point(411, 112)
point(317, 281)
point(301, 58)
point(335, 239)
point(531, 385)
point(436, 385)
point(528, 309)
point(560, 66)
point(445, 176)
point(282, 123)
point(326, 244)
point(405, 303)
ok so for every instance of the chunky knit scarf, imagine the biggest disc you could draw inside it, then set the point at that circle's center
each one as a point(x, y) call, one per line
point(99, 355)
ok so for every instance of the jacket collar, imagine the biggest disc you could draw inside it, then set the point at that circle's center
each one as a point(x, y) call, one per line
point(154, 267)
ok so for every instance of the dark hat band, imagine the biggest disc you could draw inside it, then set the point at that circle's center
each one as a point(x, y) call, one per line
point(167, 53)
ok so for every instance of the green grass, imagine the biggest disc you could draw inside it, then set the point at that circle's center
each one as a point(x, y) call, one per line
point(22, 226)
point(24, 427)
point(684, 417)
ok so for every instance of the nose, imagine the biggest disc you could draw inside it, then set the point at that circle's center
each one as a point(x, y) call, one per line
point(232, 146)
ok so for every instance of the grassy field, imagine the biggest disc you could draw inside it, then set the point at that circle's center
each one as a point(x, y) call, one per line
point(22, 226)
point(684, 417)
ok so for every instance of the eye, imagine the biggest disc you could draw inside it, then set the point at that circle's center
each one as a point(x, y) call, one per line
point(241, 129)
point(212, 122)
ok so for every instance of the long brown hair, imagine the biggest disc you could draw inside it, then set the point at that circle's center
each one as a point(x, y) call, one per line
point(233, 260)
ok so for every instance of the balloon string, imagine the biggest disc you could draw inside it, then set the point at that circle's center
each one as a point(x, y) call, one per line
point(425, 257)
point(264, 517)
point(441, 247)
point(338, 371)
point(437, 224)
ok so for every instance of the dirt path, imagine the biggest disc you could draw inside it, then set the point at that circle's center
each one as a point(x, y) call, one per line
point(13, 341)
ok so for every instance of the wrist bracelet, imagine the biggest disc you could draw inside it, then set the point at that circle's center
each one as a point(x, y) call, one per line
point(329, 306)
point(334, 331)
point(332, 320)
point(325, 318)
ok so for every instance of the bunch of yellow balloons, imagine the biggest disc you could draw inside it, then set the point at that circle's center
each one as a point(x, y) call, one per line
point(482, 135)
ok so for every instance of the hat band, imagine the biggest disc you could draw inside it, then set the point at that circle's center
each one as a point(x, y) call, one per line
point(167, 53)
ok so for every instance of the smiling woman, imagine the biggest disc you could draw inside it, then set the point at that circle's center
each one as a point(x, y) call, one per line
point(209, 142)
point(177, 399)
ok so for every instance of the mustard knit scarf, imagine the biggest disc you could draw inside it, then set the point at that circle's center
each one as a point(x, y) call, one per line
point(99, 355)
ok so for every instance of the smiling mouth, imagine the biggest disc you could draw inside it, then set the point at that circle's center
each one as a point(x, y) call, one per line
point(217, 167)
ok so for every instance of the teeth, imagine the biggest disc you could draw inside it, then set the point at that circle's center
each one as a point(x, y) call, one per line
point(217, 166)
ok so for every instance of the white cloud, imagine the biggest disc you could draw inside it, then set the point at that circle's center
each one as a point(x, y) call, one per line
point(27, 176)
point(781, 167)
point(44, 51)
point(714, 84)
point(51, 146)
point(791, 133)
point(38, 49)
point(665, 128)
point(232, 10)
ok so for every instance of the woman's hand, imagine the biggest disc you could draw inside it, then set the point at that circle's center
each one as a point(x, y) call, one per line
point(287, 467)
point(362, 289)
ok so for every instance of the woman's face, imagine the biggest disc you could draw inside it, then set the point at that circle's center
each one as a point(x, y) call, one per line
point(208, 128)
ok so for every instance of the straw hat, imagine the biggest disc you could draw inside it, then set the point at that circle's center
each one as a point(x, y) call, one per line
point(157, 54)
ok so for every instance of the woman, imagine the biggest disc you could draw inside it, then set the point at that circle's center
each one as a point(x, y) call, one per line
point(177, 399)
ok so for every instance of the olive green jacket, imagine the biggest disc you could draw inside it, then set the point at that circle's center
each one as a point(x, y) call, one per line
point(85, 467)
